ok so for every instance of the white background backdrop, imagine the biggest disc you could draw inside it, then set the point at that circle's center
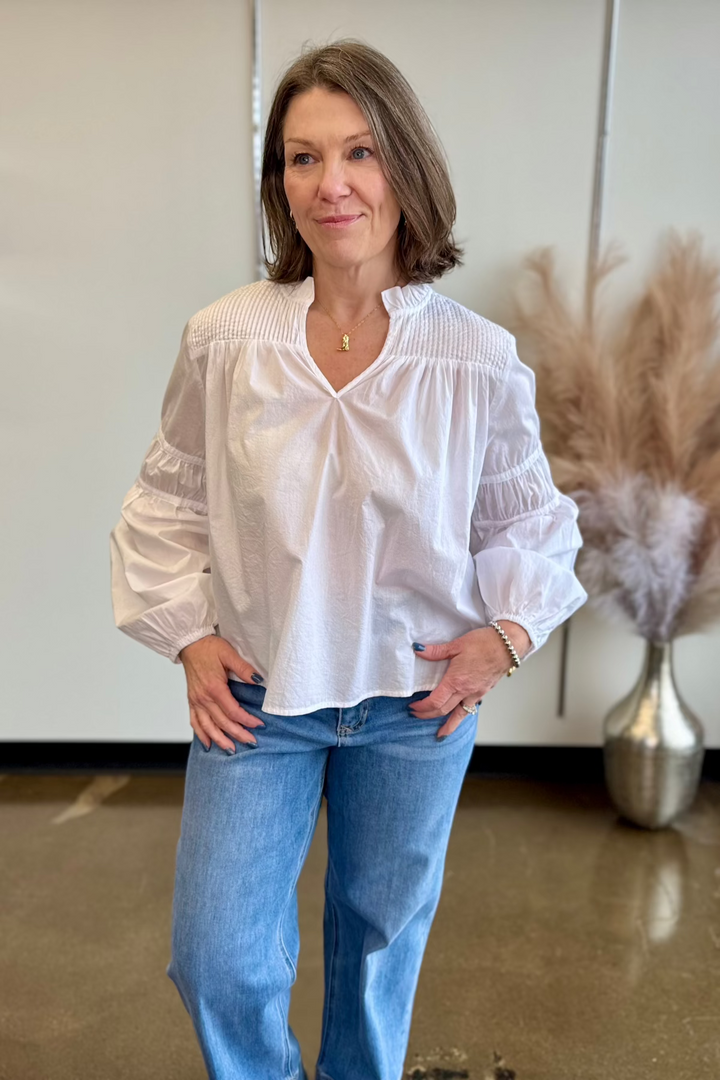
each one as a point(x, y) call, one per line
point(127, 197)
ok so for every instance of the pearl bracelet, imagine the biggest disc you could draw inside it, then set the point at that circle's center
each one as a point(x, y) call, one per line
point(511, 647)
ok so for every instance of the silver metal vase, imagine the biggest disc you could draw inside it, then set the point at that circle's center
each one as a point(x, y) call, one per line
point(653, 746)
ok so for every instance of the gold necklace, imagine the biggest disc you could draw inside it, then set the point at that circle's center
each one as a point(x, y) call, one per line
point(345, 345)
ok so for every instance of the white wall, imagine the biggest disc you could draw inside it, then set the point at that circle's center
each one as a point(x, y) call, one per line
point(128, 201)
point(129, 178)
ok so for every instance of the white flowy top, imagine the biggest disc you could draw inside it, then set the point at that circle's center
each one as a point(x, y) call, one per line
point(322, 531)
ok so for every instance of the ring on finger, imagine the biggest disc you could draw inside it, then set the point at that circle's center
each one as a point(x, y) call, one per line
point(469, 709)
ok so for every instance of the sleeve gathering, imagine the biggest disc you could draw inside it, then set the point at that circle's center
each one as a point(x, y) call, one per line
point(525, 536)
point(161, 585)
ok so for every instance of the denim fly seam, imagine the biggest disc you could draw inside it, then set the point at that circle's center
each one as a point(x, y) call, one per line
point(345, 731)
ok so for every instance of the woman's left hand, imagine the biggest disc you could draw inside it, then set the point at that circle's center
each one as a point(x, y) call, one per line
point(478, 660)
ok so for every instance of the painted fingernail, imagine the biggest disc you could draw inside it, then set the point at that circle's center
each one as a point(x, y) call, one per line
point(229, 751)
point(418, 647)
point(205, 748)
point(256, 678)
point(253, 745)
point(441, 737)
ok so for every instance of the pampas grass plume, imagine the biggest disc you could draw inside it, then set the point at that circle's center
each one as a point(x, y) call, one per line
point(631, 427)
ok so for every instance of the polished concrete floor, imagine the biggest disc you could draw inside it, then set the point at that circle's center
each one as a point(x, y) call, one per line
point(567, 945)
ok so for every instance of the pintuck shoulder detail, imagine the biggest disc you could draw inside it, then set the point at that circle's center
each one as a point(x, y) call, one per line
point(437, 328)
point(261, 311)
point(446, 330)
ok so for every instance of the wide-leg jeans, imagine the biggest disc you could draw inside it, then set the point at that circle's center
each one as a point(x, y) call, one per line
point(391, 788)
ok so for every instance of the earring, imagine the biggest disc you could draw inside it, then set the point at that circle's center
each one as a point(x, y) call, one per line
point(293, 221)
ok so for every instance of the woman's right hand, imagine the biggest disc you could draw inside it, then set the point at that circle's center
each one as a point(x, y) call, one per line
point(213, 709)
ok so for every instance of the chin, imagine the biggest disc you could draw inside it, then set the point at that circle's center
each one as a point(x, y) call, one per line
point(343, 256)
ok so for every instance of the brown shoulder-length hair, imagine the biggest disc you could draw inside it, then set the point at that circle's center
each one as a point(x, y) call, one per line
point(407, 147)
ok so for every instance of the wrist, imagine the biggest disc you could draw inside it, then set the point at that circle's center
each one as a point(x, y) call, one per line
point(182, 654)
point(518, 635)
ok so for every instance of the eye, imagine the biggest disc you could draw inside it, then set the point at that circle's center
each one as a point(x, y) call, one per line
point(364, 151)
point(297, 158)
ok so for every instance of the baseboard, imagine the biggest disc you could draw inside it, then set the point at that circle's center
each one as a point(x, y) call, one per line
point(556, 763)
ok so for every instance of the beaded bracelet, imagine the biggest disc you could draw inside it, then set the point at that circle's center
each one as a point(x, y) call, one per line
point(511, 647)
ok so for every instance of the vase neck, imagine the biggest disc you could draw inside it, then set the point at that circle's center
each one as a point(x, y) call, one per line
point(658, 659)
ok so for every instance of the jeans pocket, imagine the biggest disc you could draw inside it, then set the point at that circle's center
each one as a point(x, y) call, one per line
point(467, 719)
point(246, 691)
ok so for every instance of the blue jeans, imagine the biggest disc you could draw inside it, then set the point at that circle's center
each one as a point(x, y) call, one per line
point(248, 818)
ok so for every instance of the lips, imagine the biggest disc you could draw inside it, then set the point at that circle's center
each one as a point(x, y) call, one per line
point(338, 219)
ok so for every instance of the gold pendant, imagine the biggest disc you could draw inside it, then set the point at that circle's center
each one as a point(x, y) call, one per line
point(345, 347)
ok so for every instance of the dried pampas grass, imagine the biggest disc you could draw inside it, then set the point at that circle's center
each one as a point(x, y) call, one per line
point(631, 427)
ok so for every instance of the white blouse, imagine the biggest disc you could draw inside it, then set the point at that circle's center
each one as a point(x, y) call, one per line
point(322, 531)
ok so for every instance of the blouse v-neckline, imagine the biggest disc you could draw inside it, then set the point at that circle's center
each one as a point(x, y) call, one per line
point(397, 301)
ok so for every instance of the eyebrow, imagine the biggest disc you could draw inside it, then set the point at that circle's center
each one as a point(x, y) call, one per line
point(350, 138)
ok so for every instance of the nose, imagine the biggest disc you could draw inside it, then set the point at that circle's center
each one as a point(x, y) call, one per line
point(333, 183)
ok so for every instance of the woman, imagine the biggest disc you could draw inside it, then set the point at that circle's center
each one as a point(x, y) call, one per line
point(346, 531)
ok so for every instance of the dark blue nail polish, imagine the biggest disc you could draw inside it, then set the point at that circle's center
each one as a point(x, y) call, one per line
point(205, 748)
point(417, 647)
point(441, 737)
point(256, 678)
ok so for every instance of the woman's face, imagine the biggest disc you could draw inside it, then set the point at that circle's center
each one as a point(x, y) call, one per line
point(343, 206)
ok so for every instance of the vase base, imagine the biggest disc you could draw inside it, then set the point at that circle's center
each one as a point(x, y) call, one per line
point(651, 787)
